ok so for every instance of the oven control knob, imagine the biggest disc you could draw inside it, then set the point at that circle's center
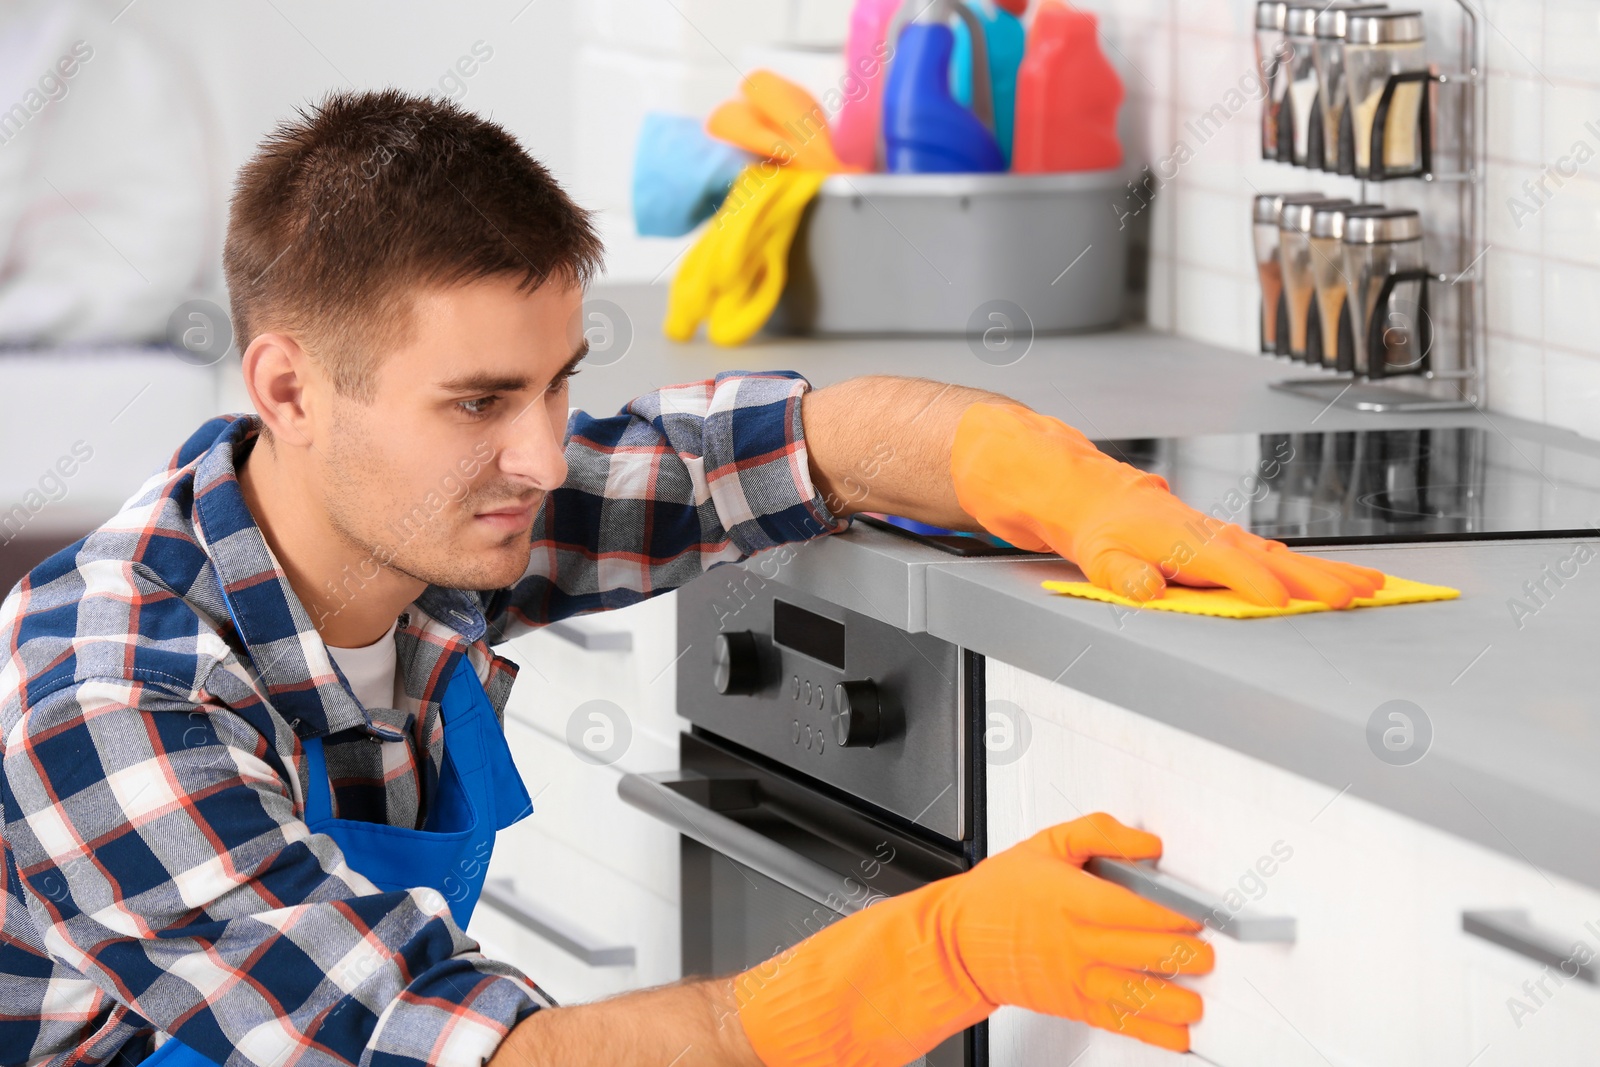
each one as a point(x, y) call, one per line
point(735, 663)
point(855, 714)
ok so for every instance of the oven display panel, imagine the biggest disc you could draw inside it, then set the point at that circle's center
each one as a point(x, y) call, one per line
point(808, 633)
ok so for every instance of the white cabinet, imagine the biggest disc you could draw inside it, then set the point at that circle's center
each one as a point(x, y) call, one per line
point(594, 868)
point(1381, 972)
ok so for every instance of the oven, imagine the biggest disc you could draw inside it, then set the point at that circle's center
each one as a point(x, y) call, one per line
point(832, 760)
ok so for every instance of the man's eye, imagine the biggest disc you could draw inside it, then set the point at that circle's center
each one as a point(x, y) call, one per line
point(480, 406)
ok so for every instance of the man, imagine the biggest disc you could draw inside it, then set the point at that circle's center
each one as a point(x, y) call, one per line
point(252, 758)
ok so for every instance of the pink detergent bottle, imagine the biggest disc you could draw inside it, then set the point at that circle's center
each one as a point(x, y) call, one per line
point(855, 130)
point(1067, 96)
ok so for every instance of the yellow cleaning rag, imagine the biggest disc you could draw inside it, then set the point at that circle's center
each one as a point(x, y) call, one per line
point(1226, 604)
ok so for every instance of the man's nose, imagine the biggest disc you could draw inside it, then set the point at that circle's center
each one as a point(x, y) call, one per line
point(532, 448)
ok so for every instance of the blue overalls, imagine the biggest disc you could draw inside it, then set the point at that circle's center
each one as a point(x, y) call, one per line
point(479, 793)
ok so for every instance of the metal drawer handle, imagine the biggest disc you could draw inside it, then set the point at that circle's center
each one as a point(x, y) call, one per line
point(596, 641)
point(1192, 903)
point(1512, 929)
point(662, 795)
point(499, 895)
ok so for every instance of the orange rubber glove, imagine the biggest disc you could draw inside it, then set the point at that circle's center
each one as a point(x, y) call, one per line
point(777, 119)
point(1027, 926)
point(1040, 484)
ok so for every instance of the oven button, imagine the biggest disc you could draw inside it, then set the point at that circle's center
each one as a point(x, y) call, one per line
point(797, 731)
point(735, 663)
point(855, 714)
point(797, 687)
point(808, 693)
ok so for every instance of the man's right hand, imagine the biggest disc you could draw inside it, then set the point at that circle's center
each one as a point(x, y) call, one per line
point(1027, 927)
point(1042, 485)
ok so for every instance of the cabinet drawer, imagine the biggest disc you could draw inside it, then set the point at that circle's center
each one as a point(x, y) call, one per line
point(559, 673)
point(589, 899)
point(1380, 972)
point(575, 802)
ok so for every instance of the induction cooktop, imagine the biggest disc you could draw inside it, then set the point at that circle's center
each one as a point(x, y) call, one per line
point(1385, 486)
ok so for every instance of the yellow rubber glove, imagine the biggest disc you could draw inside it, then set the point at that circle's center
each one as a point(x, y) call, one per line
point(1026, 927)
point(734, 274)
point(1043, 486)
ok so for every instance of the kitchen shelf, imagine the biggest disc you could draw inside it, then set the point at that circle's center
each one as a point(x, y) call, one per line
point(1459, 386)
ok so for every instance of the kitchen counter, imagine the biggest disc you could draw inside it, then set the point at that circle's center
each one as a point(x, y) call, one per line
point(1514, 760)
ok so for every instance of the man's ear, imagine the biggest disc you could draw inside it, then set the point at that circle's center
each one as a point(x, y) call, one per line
point(278, 373)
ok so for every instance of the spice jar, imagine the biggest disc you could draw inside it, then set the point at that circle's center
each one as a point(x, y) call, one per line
point(1332, 88)
point(1388, 297)
point(1271, 47)
point(1330, 283)
point(1378, 46)
point(1300, 27)
point(1269, 267)
point(1294, 228)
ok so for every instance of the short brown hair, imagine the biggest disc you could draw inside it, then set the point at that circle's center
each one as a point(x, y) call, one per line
point(365, 197)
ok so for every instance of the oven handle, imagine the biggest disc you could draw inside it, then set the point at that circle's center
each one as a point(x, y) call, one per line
point(654, 795)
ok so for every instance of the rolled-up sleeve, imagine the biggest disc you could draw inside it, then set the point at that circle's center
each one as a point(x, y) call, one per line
point(679, 480)
point(159, 846)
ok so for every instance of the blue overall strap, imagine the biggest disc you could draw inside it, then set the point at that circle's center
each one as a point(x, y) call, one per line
point(319, 787)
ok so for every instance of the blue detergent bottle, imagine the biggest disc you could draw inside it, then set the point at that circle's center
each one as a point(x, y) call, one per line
point(925, 131)
point(1006, 40)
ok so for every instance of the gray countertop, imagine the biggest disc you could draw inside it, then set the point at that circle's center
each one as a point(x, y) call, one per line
point(1514, 761)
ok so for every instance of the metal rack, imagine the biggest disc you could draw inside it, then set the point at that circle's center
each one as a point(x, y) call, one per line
point(1459, 387)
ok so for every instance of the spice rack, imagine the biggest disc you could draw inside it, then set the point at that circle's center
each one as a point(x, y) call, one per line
point(1452, 377)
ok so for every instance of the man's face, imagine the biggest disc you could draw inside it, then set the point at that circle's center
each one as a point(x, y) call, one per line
point(440, 474)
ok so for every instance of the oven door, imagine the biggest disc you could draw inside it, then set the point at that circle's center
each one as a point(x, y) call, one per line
point(770, 858)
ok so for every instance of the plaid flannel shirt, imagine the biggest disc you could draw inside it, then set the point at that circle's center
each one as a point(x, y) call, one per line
point(158, 877)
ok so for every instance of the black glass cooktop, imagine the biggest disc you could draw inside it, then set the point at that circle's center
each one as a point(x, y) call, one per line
point(1373, 486)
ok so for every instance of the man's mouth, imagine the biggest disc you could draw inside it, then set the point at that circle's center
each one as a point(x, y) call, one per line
point(508, 518)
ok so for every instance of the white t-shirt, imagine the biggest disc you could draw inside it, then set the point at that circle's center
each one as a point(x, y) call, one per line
point(371, 671)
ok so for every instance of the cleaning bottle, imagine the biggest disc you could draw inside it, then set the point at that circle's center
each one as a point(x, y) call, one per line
point(1005, 37)
point(855, 128)
point(924, 129)
point(1067, 96)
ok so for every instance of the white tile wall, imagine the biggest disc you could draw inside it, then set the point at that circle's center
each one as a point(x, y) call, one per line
point(1571, 391)
point(1542, 276)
